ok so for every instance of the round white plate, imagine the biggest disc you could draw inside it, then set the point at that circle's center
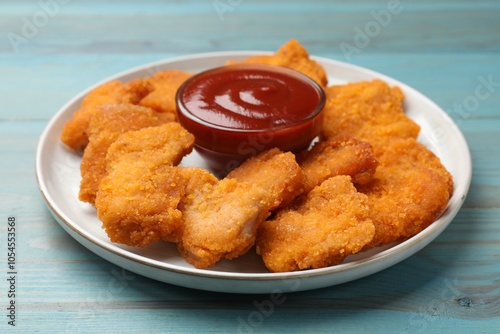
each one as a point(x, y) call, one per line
point(58, 175)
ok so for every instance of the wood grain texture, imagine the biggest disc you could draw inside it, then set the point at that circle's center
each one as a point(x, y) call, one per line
point(443, 49)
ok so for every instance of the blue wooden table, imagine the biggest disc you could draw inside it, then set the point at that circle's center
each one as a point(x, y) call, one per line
point(50, 50)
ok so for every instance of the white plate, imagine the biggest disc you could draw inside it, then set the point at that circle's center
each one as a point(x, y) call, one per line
point(58, 175)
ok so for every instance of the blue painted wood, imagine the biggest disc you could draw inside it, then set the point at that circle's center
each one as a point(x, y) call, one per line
point(457, 79)
point(441, 48)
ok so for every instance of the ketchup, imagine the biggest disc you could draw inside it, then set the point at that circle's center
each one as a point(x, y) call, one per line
point(238, 111)
point(250, 98)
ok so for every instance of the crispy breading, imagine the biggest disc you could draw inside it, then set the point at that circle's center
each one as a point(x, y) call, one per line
point(74, 133)
point(339, 155)
point(220, 220)
point(409, 191)
point(263, 170)
point(139, 206)
point(369, 111)
point(292, 55)
point(110, 121)
point(411, 187)
point(329, 223)
point(166, 144)
point(198, 181)
point(162, 97)
point(138, 198)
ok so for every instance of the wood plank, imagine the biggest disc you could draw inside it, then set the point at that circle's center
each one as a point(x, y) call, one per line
point(456, 298)
point(445, 50)
point(246, 24)
point(61, 77)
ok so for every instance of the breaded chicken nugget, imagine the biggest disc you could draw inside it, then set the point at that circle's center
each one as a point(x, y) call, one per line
point(162, 97)
point(139, 206)
point(220, 220)
point(369, 111)
point(138, 198)
point(410, 189)
point(197, 181)
point(329, 223)
point(339, 155)
point(292, 55)
point(110, 121)
point(166, 144)
point(263, 169)
point(74, 133)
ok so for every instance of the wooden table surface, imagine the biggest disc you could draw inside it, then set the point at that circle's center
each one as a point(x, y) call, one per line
point(50, 50)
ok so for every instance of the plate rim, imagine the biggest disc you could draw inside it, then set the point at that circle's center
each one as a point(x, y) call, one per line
point(427, 235)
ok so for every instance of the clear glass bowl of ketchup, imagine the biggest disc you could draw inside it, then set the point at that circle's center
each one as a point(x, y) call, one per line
point(237, 111)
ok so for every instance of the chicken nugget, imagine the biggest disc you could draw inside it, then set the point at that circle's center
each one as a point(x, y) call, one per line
point(198, 181)
point(263, 170)
point(166, 144)
point(75, 131)
point(110, 121)
point(162, 97)
point(370, 111)
point(410, 189)
point(322, 229)
point(292, 55)
point(138, 199)
point(220, 220)
point(137, 204)
point(339, 155)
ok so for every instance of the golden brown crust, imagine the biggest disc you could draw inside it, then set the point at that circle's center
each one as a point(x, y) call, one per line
point(75, 131)
point(370, 111)
point(328, 224)
point(292, 55)
point(411, 187)
point(138, 198)
point(339, 155)
point(138, 205)
point(220, 220)
point(409, 191)
point(164, 87)
point(276, 171)
point(110, 121)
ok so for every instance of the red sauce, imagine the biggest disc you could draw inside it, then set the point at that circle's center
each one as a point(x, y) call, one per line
point(238, 111)
point(250, 98)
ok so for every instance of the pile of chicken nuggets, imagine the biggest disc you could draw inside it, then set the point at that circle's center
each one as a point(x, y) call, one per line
point(366, 182)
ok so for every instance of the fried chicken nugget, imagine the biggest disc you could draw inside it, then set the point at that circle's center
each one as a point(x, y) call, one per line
point(321, 229)
point(410, 189)
point(369, 111)
point(262, 170)
point(220, 220)
point(162, 97)
point(292, 55)
point(166, 144)
point(138, 198)
point(74, 133)
point(339, 155)
point(197, 181)
point(109, 122)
